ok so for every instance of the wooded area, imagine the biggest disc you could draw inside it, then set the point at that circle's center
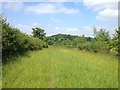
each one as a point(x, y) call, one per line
point(14, 42)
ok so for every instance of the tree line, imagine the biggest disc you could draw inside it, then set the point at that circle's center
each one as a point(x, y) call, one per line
point(15, 42)
point(101, 42)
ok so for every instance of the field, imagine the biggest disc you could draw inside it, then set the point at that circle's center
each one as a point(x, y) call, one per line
point(58, 67)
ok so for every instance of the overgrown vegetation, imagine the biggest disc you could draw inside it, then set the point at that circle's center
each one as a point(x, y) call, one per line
point(115, 42)
point(101, 42)
point(14, 42)
point(59, 67)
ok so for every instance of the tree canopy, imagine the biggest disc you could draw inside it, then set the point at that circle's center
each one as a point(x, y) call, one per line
point(39, 33)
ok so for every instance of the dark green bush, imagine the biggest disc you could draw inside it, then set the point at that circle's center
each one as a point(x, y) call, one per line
point(14, 42)
point(50, 42)
point(89, 47)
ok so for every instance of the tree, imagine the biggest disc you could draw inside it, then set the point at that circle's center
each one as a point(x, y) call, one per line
point(0, 35)
point(15, 42)
point(101, 34)
point(116, 41)
point(79, 40)
point(39, 33)
point(102, 38)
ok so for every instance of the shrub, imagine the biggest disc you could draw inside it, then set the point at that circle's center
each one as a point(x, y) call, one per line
point(14, 42)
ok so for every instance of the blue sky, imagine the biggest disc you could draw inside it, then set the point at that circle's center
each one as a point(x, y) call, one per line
point(76, 18)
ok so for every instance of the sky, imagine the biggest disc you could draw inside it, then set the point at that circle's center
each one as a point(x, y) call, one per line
point(75, 17)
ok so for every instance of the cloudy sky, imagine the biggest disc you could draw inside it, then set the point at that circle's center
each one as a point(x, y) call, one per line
point(76, 18)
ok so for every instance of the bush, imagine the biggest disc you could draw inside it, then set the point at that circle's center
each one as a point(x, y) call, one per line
point(89, 47)
point(50, 42)
point(14, 42)
point(84, 46)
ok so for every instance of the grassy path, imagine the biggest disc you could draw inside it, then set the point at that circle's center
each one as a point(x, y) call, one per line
point(62, 67)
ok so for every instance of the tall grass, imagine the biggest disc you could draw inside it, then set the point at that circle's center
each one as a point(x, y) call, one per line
point(58, 67)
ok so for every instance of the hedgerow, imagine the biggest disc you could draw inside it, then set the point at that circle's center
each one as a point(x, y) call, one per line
point(14, 42)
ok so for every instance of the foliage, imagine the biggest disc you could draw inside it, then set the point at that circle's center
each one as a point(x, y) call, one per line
point(63, 39)
point(14, 42)
point(101, 42)
point(102, 38)
point(101, 34)
point(115, 43)
point(39, 33)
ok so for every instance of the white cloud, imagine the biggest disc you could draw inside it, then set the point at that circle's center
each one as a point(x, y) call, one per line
point(106, 9)
point(71, 30)
point(35, 24)
point(15, 6)
point(86, 30)
point(28, 28)
point(57, 30)
point(41, 9)
point(100, 4)
point(69, 11)
point(108, 14)
point(50, 8)
point(67, 30)
point(25, 28)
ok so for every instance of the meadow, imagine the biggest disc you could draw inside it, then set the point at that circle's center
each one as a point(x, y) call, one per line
point(58, 67)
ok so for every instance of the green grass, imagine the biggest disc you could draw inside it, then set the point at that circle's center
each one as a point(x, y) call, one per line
point(58, 67)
